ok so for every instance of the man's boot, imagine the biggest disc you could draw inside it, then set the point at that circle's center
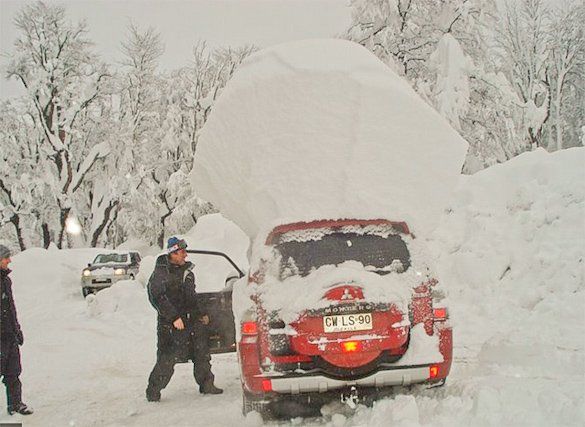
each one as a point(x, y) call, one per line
point(152, 395)
point(209, 388)
point(19, 408)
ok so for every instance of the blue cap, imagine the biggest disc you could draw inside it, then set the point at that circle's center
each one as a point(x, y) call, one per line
point(175, 244)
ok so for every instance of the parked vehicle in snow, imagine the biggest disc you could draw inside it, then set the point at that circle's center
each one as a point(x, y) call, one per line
point(358, 339)
point(108, 268)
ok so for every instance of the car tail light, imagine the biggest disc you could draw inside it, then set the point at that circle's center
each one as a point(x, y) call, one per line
point(266, 385)
point(440, 313)
point(433, 371)
point(351, 346)
point(249, 328)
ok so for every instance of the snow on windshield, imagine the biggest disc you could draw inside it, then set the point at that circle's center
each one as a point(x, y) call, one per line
point(308, 234)
point(291, 294)
point(322, 129)
point(375, 252)
point(111, 259)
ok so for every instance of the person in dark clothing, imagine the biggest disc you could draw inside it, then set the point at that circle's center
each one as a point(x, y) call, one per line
point(182, 325)
point(10, 339)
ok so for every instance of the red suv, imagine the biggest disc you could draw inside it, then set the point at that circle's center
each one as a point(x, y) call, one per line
point(355, 343)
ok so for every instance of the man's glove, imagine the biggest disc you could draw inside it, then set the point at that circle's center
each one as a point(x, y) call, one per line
point(19, 337)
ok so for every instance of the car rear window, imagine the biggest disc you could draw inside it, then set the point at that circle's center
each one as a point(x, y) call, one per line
point(381, 253)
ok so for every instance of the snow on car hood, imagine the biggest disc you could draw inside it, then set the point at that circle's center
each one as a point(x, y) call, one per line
point(323, 129)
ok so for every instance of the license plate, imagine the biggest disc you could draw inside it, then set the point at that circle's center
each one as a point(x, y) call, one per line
point(347, 322)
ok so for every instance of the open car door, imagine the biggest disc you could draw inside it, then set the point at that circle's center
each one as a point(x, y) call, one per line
point(222, 330)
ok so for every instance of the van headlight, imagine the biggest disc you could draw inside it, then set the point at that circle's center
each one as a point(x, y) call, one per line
point(86, 273)
point(119, 271)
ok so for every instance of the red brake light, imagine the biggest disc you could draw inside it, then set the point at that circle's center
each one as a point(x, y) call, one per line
point(350, 346)
point(249, 328)
point(266, 385)
point(433, 371)
point(440, 313)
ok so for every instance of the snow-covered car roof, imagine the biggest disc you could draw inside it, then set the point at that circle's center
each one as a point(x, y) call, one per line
point(323, 129)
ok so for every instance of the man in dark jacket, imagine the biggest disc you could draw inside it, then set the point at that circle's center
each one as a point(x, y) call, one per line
point(10, 339)
point(182, 323)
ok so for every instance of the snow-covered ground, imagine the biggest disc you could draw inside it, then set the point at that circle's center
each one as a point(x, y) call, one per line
point(510, 250)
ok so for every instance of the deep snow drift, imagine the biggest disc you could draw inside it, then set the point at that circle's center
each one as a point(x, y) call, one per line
point(323, 129)
point(510, 250)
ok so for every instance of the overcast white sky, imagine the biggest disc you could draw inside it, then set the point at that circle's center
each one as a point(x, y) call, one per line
point(182, 23)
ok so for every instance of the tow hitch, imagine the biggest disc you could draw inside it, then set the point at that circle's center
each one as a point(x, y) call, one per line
point(351, 398)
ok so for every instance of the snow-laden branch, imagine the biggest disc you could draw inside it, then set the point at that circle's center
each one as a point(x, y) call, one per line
point(97, 152)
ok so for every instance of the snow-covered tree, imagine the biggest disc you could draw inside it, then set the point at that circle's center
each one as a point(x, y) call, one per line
point(489, 125)
point(151, 152)
point(509, 78)
point(399, 32)
point(195, 88)
point(160, 120)
point(186, 105)
point(104, 184)
point(443, 49)
point(451, 89)
point(20, 180)
point(567, 73)
point(137, 130)
point(63, 81)
point(524, 51)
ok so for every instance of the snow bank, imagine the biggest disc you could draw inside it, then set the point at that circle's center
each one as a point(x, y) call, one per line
point(323, 129)
point(125, 296)
point(514, 241)
point(511, 251)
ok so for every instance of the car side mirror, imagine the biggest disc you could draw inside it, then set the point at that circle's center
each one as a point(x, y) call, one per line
point(229, 282)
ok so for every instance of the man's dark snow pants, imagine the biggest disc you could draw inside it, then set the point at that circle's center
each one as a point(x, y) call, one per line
point(10, 370)
point(176, 346)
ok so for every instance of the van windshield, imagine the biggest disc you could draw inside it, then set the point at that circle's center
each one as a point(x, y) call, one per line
point(381, 254)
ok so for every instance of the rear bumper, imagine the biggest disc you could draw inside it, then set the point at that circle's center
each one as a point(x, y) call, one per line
point(322, 384)
point(258, 383)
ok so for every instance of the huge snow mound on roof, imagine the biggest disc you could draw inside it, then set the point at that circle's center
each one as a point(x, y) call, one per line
point(323, 129)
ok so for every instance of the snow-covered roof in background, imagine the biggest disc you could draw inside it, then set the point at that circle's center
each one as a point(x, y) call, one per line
point(323, 129)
